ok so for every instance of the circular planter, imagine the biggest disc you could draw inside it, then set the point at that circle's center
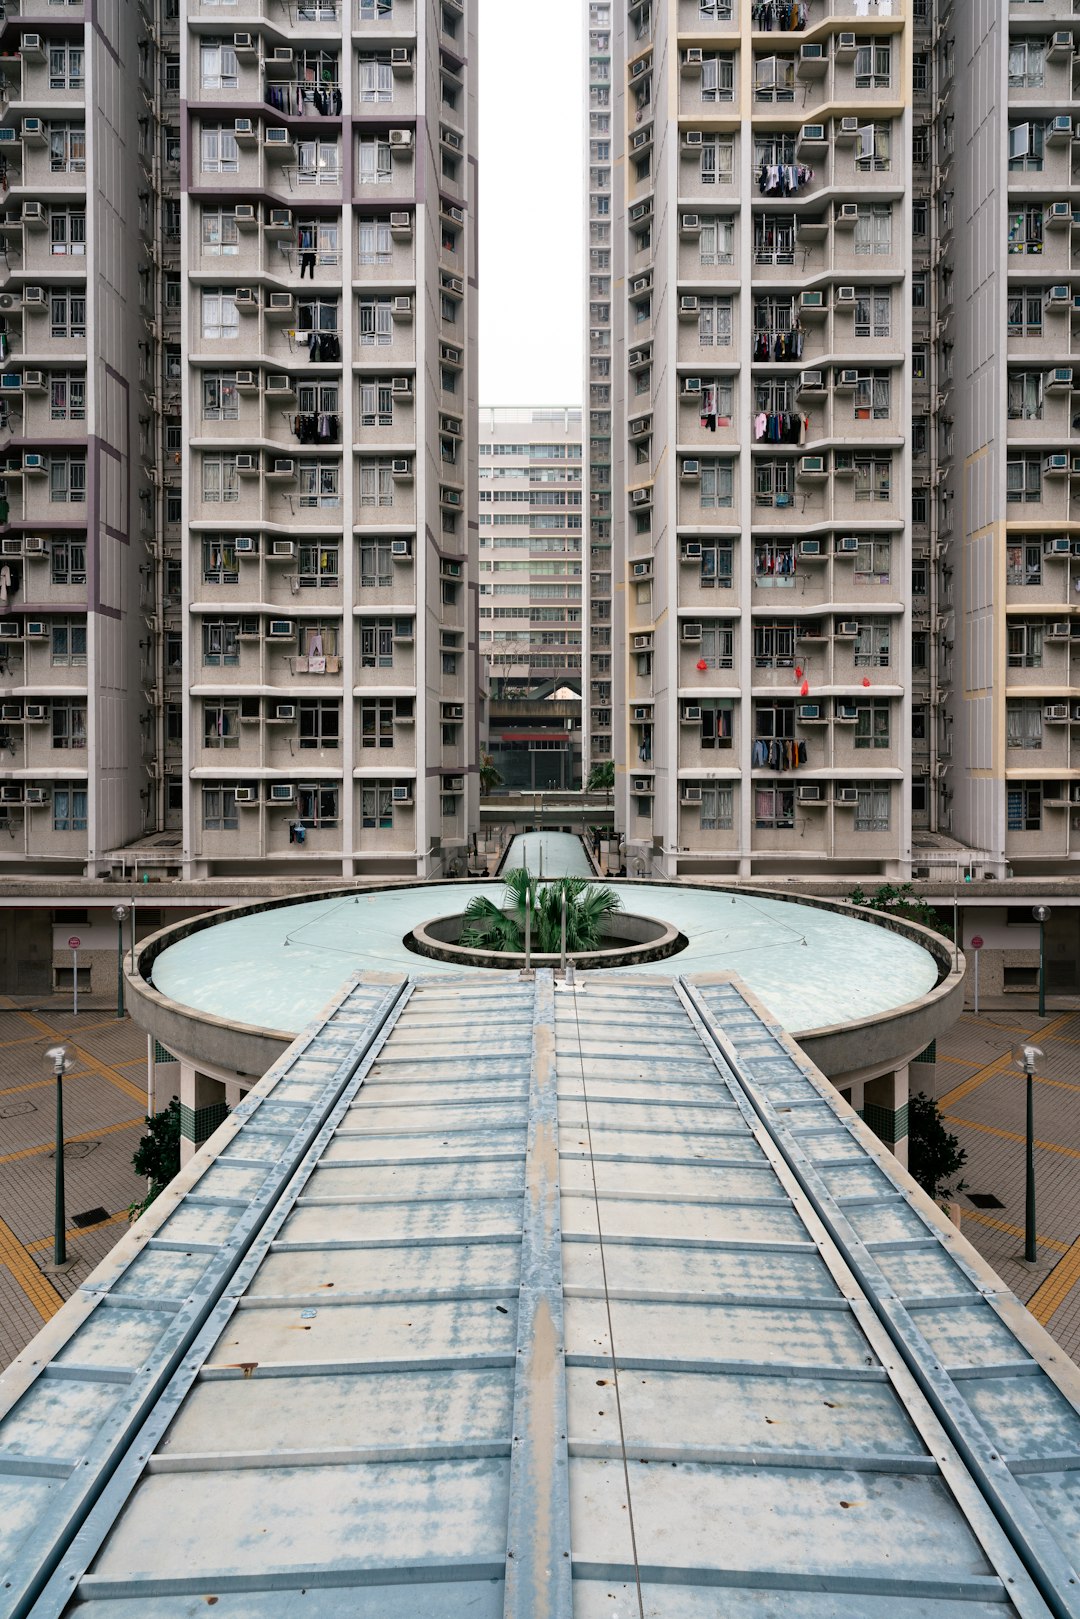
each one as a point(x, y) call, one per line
point(639, 939)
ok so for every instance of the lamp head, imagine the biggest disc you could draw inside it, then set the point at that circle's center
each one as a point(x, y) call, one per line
point(119, 911)
point(1040, 912)
point(58, 1057)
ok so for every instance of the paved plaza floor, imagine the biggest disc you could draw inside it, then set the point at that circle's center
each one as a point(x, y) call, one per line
point(981, 1094)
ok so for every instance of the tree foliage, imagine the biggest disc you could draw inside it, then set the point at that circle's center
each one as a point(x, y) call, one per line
point(158, 1155)
point(902, 901)
point(502, 928)
point(934, 1154)
point(601, 777)
point(490, 774)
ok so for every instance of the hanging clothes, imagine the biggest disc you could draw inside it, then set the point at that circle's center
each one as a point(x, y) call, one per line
point(709, 401)
point(785, 16)
point(780, 427)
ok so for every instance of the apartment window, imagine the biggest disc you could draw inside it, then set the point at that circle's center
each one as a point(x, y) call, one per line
point(219, 560)
point(1023, 564)
point(1025, 396)
point(171, 75)
point(376, 322)
point(319, 483)
point(69, 638)
point(374, 162)
point(1023, 479)
point(377, 723)
point(873, 477)
point(920, 436)
point(317, 315)
point(873, 311)
point(67, 314)
point(376, 483)
point(774, 482)
point(1024, 644)
point(317, 805)
point(67, 232)
point(920, 643)
point(874, 152)
point(221, 724)
point(221, 645)
point(377, 403)
point(918, 289)
point(1025, 313)
point(920, 218)
point(375, 243)
point(873, 807)
point(872, 643)
point(221, 401)
point(375, 10)
point(774, 238)
point(774, 78)
point(68, 558)
point(67, 479)
point(377, 644)
point(872, 562)
point(774, 645)
point(872, 725)
point(920, 146)
point(67, 148)
point(873, 394)
point(717, 483)
point(66, 67)
point(377, 805)
point(918, 363)
point(1024, 723)
point(220, 810)
point(1023, 807)
point(319, 724)
point(717, 241)
point(714, 322)
point(717, 807)
point(318, 163)
point(717, 76)
point(873, 64)
point(317, 566)
point(68, 724)
point(772, 150)
point(717, 10)
point(219, 233)
point(218, 151)
point(920, 72)
point(718, 645)
point(67, 396)
point(873, 229)
point(774, 807)
point(717, 160)
point(1027, 64)
point(320, 237)
point(1026, 145)
point(69, 807)
point(376, 78)
point(376, 565)
point(1026, 228)
point(218, 69)
point(220, 481)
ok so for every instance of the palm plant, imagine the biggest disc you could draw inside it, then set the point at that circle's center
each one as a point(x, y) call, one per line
point(502, 928)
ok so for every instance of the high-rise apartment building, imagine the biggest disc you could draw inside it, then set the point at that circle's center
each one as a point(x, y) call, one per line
point(241, 589)
point(761, 395)
point(531, 589)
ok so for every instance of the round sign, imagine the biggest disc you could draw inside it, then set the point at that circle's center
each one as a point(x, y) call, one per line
point(74, 942)
point(976, 942)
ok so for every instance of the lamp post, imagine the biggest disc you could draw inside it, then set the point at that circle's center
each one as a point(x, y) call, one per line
point(120, 912)
point(61, 1062)
point(1025, 1058)
point(1041, 914)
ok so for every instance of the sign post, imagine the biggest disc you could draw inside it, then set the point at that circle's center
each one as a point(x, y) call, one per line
point(976, 945)
point(73, 945)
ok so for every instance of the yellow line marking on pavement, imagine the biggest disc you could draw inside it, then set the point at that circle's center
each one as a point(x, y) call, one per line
point(1013, 1230)
point(79, 1231)
point(1010, 1135)
point(960, 1092)
point(29, 1039)
point(1051, 1295)
point(87, 1135)
point(40, 1292)
point(1058, 1084)
point(91, 1062)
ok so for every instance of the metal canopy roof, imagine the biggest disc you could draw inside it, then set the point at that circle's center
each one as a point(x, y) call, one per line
point(497, 1298)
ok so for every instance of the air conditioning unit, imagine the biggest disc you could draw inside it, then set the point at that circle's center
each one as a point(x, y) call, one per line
point(846, 713)
point(402, 795)
point(245, 545)
point(401, 59)
point(811, 466)
point(691, 551)
point(640, 67)
point(281, 629)
point(812, 382)
point(690, 224)
point(31, 49)
point(402, 139)
point(1060, 377)
point(11, 795)
point(245, 133)
point(450, 354)
point(846, 379)
point(280, 303)
point(246, 380)
point(451, 426)
point(277, 137)
point(691, 713)
point(404, 631)
point(246, 298)
point(37, 795)
point(691, 795)
point(1058, 547)
point(451, 138)
point(282, 55)
point(642, 643)
point(280, 220)
point(36, 629)
point(845, 44)
point(452, 284)
point(401, 224)
point(35, 463)
point(640, 211)
point(11, 548)
point(402, 306)
point(285, 711)
point(847, 795)
point(847, 545)
point(33, 213)
point(1061, 43)
point(845, 295)
point(33, 132)
point(1059, 295)
point(1058, 632)
point(453, 784)
point(283, 466)
point(10, 629)
point(690, 468)
point(847, 213)
point(693, 56)
point(401, 467)
point(693, 137)
point(400, 549)
point(10, 711)
point(246, 462)
point(810, 548)
point(812, 135)
point(1056, 712)
point(640, 426)
point(244, 43)
point(640, 284)
point(847, 629)
point(281, 792)
point(278, 383)
point(847, 129)
point(1060, 126)
point(453, 711)
point(33, 298)
point(33, 382)
point(1056, 464)
point(246, 795)
point(811, 53)
point(36, 712)
point(809, 711)
point(449, 496)
point(8, 137)
point(451, 211)
point(639, 139)
point(641, 497)
point(688, 303)
point(692, 385)
point(11, 382)
point(809, 793)
point(641, 570)
point(812, 300)
point(690, 634)
point(283, 549)
point(1058, 213)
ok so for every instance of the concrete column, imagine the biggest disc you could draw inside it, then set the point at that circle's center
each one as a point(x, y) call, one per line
point(203, 1106)
point(885, 1109)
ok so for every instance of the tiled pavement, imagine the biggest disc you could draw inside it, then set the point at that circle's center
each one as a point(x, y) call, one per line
point(981, 1093)
point(104, 1112)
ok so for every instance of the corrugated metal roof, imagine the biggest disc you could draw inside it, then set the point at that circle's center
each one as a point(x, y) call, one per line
point(496, 1298)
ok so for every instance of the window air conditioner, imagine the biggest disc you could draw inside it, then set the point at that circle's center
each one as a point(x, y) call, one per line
point(847, 795)
point(402, 795)
point(243, 42)
point(810, 548)
point(690, 224)
point(691, 713)
point(401, 138)
point(33, 213)
point(400, 549)
point(283, 548)
point(401, 467)
point(245, 379)
point(845, 44)
point(1056, 711)
point(847, 544)
point(688, 304)
point(400, 224)
point(246, 795)
point(691, 551)
point(1060, 377)
point(642, 643)
point(641, 497)
point(281, 792)
point(847, 213)
point(809, 711)
point(244, 545)
point(10, 711)
point(35, 712)
point(812, 382)
point(246, 298)
point(812, 135)
point(278, 383)
point(36, 629)
point(694, 137)
point(691, 795)
point(280, 303)
point(847, 629)
point(1058, 548)
point(811, 465)
point(1058, 632)
point(690, 468)
point(693, 56)
point(809, 793)
point(812, 300)
point(283, 467)
point(280, 219)
point(690, 634)
point(247, 463)
point(285, 711)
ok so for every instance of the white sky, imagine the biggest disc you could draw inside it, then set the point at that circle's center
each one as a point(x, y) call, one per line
point(531, 203)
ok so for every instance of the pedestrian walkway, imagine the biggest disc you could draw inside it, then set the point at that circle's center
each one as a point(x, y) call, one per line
point(104, 1113)
point(982, 1098)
